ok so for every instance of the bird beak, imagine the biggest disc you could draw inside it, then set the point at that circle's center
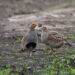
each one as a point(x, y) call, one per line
point(37, 28)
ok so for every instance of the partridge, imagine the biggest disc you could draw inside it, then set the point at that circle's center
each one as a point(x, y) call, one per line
point(51, 40)
point(30, 40)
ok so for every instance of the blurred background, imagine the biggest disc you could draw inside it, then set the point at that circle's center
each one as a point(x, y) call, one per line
point(14, 7)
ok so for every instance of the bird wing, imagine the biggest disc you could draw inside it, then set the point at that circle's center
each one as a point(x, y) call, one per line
point(22, 42)
point(53, 38)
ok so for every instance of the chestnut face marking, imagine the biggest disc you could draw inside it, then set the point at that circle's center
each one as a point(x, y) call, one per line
point(44, 28)
point(33, 26)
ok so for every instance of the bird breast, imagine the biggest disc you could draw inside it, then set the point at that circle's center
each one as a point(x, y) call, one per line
point(44, 37)
point(32, 37)
point(55, 44)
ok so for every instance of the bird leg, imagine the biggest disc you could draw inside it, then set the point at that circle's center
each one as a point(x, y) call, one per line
point(30, 52)
point(51, 50)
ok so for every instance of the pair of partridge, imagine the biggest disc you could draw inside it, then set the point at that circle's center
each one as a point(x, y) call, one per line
point(30, 40)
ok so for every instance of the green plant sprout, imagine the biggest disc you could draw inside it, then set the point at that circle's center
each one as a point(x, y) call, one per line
point(18, 40)
point(71, 36)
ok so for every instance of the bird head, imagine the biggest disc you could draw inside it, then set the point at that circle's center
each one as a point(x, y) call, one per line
point(44, 28)
point(33, 26)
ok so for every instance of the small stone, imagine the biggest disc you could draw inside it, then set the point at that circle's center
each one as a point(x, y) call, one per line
point(7, 45)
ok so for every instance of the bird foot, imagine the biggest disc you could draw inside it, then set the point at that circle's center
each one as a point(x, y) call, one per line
point(30, 54)
point(22, 50)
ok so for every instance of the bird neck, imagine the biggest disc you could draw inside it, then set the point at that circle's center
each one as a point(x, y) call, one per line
point(32, 29)
point(44, 31)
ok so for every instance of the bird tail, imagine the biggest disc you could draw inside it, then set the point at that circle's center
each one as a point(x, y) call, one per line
point(67, 43)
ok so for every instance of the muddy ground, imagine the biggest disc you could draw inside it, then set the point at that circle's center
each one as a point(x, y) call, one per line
point(12, 28)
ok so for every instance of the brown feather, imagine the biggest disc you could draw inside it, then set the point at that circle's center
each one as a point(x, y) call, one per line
point(54, 38)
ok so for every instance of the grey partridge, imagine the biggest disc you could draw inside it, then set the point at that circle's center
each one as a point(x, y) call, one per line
point(30, 40)
point(52, 41)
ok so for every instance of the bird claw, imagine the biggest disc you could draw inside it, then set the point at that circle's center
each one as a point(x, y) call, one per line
point(22, 50)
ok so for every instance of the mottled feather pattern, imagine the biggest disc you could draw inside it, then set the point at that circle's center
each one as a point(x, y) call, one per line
point(54, 38)
point(51, 40)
